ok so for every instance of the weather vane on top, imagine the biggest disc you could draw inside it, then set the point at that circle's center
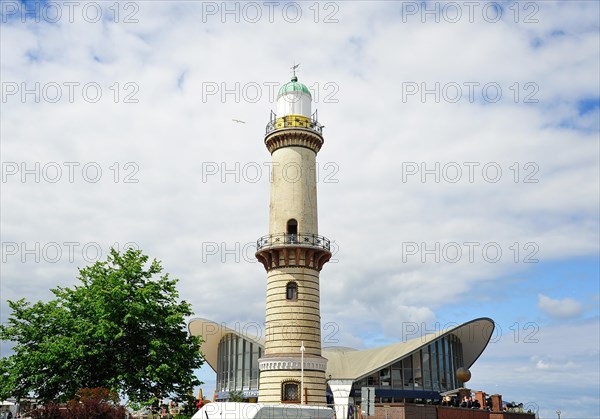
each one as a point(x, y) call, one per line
point(294, 67)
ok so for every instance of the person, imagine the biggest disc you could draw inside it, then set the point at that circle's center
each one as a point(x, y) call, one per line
point(350, 411)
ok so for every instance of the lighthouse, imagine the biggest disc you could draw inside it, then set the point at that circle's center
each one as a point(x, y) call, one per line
point(292, 369)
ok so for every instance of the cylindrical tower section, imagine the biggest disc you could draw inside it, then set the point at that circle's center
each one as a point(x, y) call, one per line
point(292, 368)
point(293, 191)
point(292, 311)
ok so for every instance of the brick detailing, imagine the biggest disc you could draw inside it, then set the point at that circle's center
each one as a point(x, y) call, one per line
point(271, 383)
point(293, 256)
point(460, 413)
point(480, 397)
point(496, 403)
point(291, 322)
point(293, 137)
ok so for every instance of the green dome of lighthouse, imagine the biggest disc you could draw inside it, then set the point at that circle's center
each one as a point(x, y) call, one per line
point(293, 86)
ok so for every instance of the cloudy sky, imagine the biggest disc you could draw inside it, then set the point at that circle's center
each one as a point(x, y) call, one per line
point(459, 175)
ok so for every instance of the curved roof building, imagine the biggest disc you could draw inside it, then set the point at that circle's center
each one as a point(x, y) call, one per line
point(419, 368)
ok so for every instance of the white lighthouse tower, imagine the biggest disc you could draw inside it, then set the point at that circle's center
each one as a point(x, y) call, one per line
point(292, 369)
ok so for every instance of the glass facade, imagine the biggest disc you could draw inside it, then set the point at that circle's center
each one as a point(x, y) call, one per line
point(432, 368)
point(237, 364)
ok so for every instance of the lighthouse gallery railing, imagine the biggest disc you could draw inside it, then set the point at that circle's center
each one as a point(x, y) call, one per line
point(312, 240)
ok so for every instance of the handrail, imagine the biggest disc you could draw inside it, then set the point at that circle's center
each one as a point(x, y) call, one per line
point(292, 121)
point(312, 240)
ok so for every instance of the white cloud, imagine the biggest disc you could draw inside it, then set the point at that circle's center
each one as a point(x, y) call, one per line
point(564, 309)
point(555, 366)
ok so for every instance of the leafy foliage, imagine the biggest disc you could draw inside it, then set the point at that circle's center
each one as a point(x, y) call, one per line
point(236, 396)
point(48, 411)
point(98, 403)
point(122, 327)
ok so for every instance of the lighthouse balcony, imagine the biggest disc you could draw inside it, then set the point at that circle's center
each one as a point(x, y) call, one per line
point(293, 250)
point(284, 239)
point(294, 121)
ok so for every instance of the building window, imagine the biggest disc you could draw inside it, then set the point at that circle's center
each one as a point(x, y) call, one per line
point(291, 291)
point(407, 373)
point(397, 376)
point(436, 358)
point(418, 375)
point(237, 366)
point(373, 380)
point(385, 377)
point(290, 392)
point(292, 231)
point(426, 367)
point(292, 226)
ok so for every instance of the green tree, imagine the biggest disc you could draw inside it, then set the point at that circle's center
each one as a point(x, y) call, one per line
point(122, 327)
point(236, 396)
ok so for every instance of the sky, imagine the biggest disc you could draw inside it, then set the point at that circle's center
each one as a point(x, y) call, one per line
point(459, 177)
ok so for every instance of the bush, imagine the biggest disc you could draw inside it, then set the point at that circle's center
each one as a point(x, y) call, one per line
point(96, 403)
point(48, 411)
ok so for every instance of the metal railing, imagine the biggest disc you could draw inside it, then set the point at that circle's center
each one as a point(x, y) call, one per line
point(312, 240)
point(292, 121)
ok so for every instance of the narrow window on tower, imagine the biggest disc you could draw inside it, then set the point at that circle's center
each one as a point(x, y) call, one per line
point(292, 231)
point(290, 392)
point(291, 291)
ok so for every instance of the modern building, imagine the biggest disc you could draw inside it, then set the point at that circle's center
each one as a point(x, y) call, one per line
point(416, 370)
point(286, 363)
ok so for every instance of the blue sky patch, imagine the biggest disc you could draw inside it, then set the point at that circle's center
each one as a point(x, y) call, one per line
point(585, 106)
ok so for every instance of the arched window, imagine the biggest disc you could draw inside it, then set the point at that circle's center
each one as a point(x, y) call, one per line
point(292, 231)
point(290, 392)
point(291, 291)
point(292, 226)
